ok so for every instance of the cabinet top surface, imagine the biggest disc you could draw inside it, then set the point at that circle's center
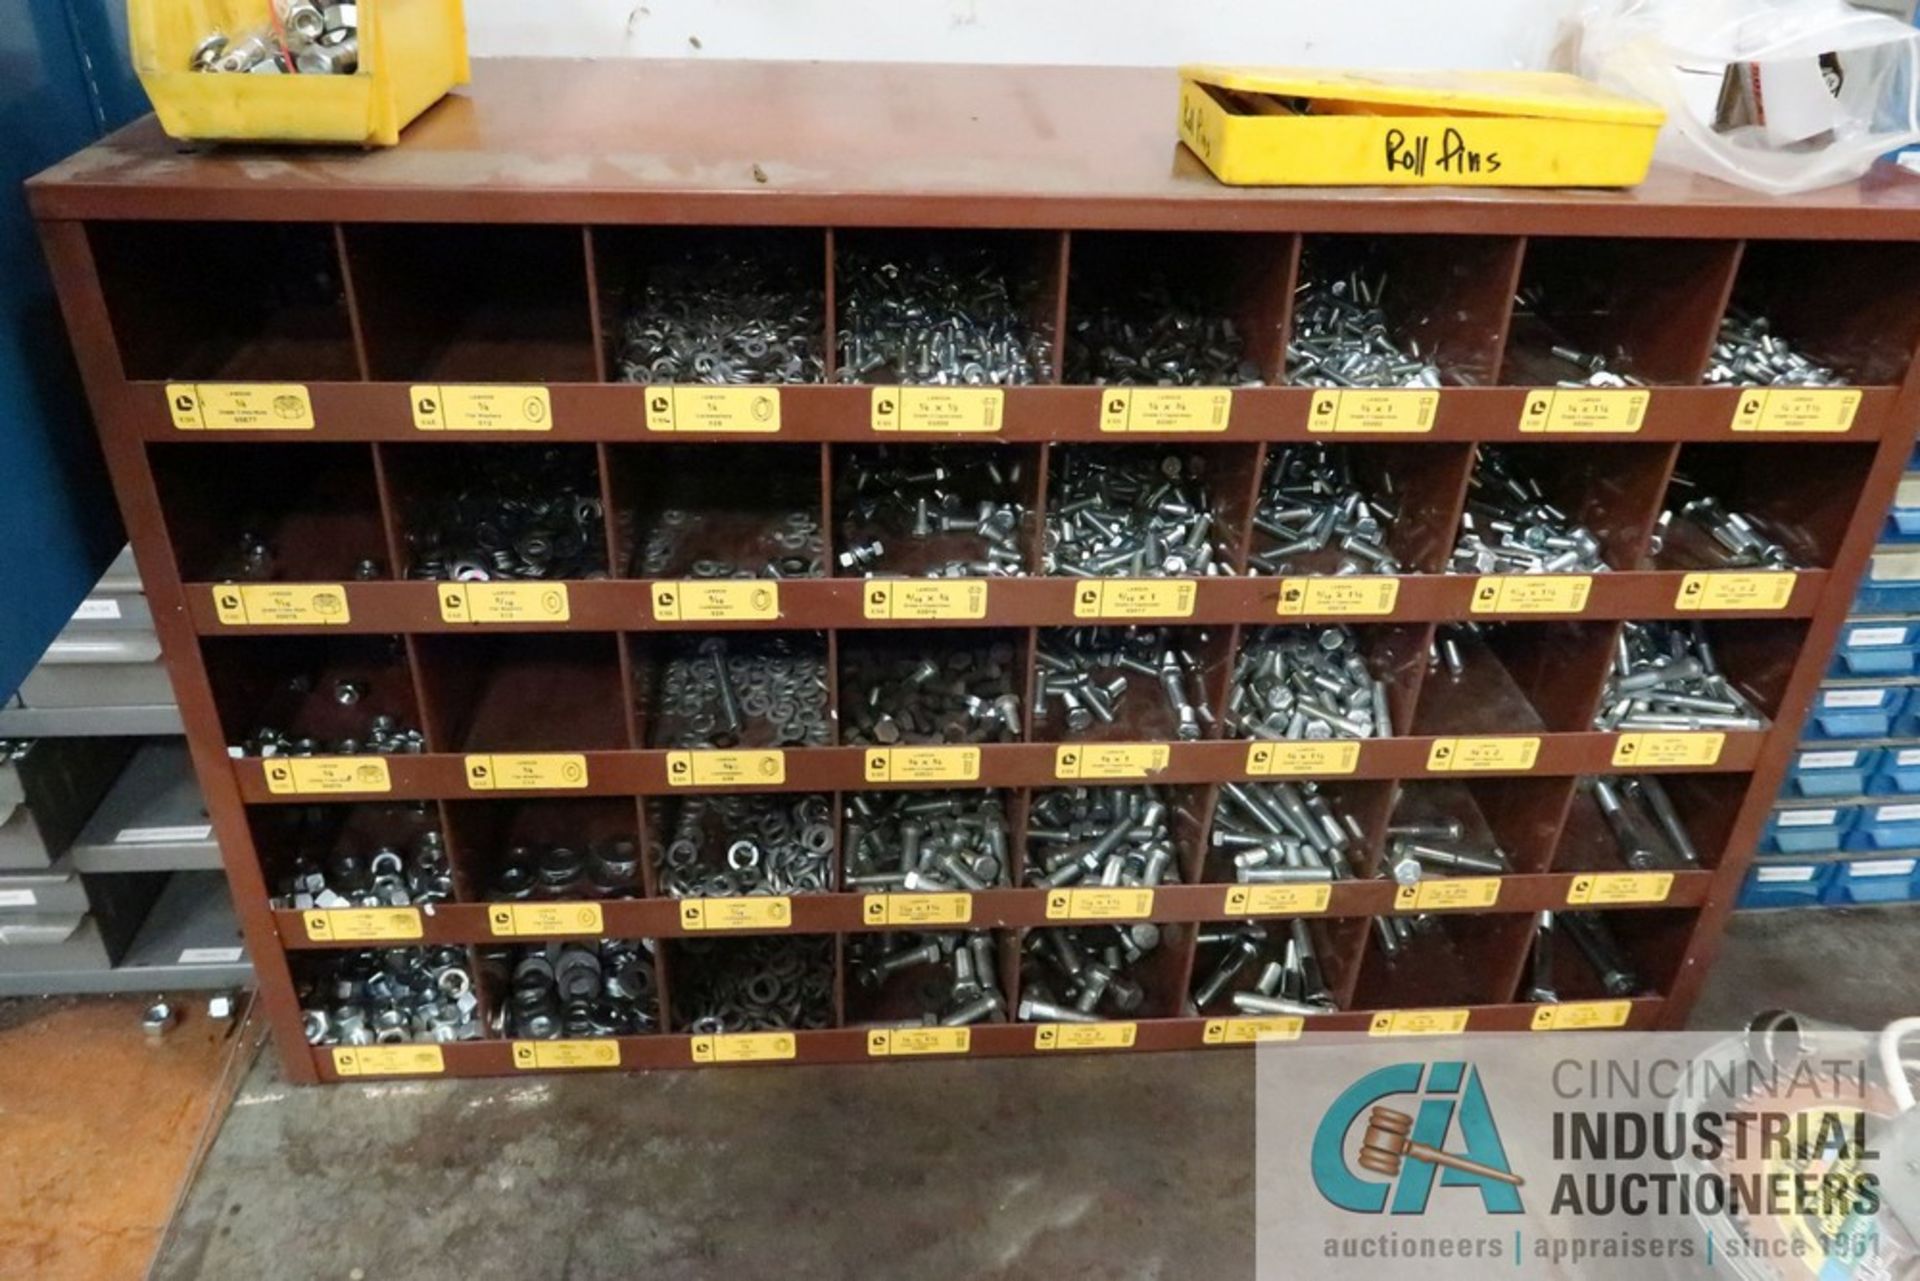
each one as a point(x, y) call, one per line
point(628, 140)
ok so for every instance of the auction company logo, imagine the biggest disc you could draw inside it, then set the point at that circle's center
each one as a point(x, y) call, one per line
point(1406, 1150)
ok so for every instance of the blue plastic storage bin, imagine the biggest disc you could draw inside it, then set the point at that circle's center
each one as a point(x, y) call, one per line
point(1903, 518)
point(1834, 771)
point(1807, 829)
point(1877, 649)
point(1896, 772)
point(1874, 880)
point(1858, 711)
point(1889, 825)
point(1786, 884)
point(1892, 584)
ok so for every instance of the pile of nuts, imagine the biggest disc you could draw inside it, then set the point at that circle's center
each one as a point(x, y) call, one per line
point(1665, 676)
point(1645, 824)
point(1101, 836)
point(683, 544)
point(510, 511)
point(949, 318)
point(1341, 338)
point(748, 689)
point(1420, 848)
point(1086, 674)
point(960, 689)
point(732, 844)
point(574, 990)
point(384, 734)
point(1594, 940)
point(1131, 511)
point(304, 38)
point(1305, 682)
point(1296, 983)
point(1709, 535)
point(1311, 504)
point(1509, 527)
point(767, 983)
point(1157, 336)
point(1084, 974)
point(386, 996)
point(720, 316)
point(1285, 833)
point(390, 876)
point(1750, 354)
point(926, 841)
point(542, 870)
point(957, 512)
point(951, 979)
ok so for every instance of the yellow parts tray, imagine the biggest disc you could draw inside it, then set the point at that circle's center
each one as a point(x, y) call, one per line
point(411, 53)
point(1284, 127)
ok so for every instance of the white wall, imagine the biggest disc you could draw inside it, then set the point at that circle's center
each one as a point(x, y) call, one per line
point(1355, 33)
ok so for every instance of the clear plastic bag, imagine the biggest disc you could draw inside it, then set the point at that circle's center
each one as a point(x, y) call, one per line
point(1776, 95)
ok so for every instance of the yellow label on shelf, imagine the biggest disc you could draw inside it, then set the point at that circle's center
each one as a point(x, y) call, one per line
point(1134, 598)
point(1650, 748)
point(931, 601)
point(326, 775)
point(362, 924)
point(491, 407)
point(753, 912)
point(896, 1042)
point(1443, 893)
point(1099, 903)
point(1578, 410)
point(544, 920)
point(281, 604)
point(1400, 410)
point(1084, 1036)
point(1821, 409)
point(1576, 1016)
point(530, 772)
point(1303, 758)
point(714, 410)
point(1468, 755)
point(1246, 1031)
point(1109, 760)
point(1418, 1022)
point(923, 764)
point(565, 1056)
point(704, 601)
point(388, 1060)
point(939, 409)
point(744, 1047)
point(917, 909)
point(1532, 594)
point(1279, 900)
point(1766, 590)
point(1599, 889)
point(504, 603)
point(764, 768)
point(1359, 596)
point(240, 407)
point(1165, 409)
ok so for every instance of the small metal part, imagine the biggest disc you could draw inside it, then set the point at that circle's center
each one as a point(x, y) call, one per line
point(158, 1019)
point(1305, 683)
point(1114, 836)
point(1087, 675)
point(1666, 676)
point(388, 996)
point(1132, 511)
point(934, 511)
point(734, 844)
point(926, 842)
point(1541, 987)
point(961, 688)
point(934, 977)
point(1315, 516)
point(760, 983)
point(1343, 337)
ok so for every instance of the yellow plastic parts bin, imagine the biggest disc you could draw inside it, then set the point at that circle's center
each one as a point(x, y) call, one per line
point(1293, 127)
point(411, 53)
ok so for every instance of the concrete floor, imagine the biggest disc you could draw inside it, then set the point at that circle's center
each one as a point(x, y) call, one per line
point(1112, 1167)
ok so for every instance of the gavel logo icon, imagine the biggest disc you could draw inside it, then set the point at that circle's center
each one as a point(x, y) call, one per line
point(1388, 1141)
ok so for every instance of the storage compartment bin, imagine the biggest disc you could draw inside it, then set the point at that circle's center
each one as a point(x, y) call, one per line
point(1786, 884)
point(1877, 649)
point(1858, 711)
point(1874, 880)
point(1807, 829)
point(1898, 772)
point(1903, 518)
point(1892, 825)
point(1891, 585)
point(412, 52)
point(1840, 771)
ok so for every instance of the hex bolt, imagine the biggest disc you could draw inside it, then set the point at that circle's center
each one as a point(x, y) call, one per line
point(959, 316)
point(1509, 526)
point(1342, 336)
point(1160, 328)
point(1597, 945)
point(897, 840)
point(1116, 836)
point(1088, 673)
point(1541, 985)
point(1700, 530)
point(1082, 974)
point(1666, 676)
point(1313, 516)
point(1281, 840)
point(1294, 984)
point(970, 699)
point(1750, 354)
point(1305, 683)
point(1131, 511)
point(933, 511)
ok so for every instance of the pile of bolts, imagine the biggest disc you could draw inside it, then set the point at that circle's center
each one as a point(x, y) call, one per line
point(1294, 983)
point(926, 842)
point(1101, 836)
point(963, 692)
point(1085, 973)
point(951, 979)
point(1598, 948)
point(300, 38)
point(1341, 337)
point(1312, 510)
point(1509, 527)
point(967, 501)
point(1133, 512)
point(1306, 683)
point(1665, 676)
point(946, 319)
point(1087, 673)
